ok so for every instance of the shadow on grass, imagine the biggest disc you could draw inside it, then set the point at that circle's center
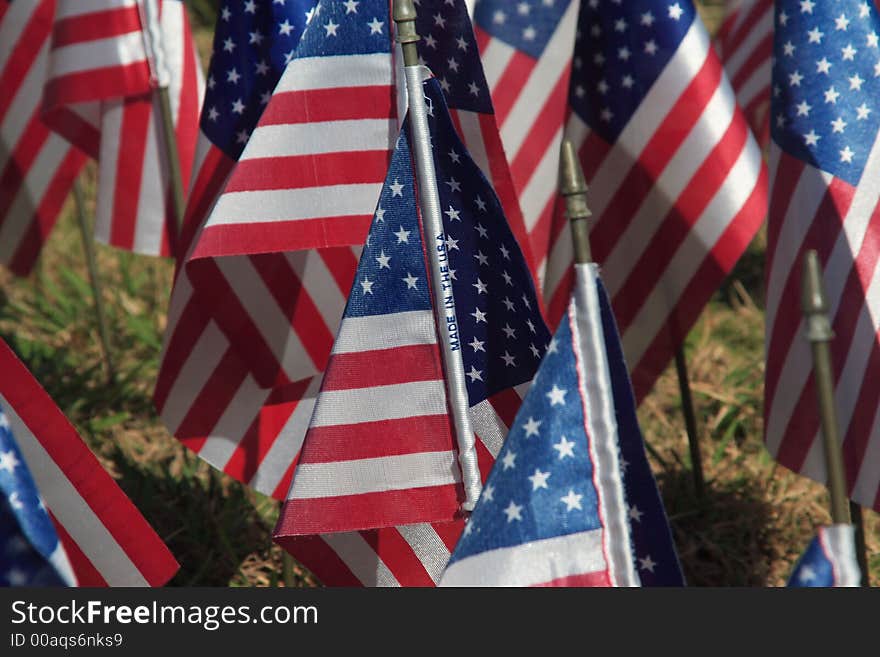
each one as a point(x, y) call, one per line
point(210, 523)
point(726, 539)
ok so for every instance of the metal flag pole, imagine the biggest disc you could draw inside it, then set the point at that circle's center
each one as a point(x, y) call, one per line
point(820, 334)
point(435, 239)
point(573, 187)
point(94, 279)
point(155, 48)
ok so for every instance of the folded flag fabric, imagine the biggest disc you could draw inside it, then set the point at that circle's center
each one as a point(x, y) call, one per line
point(30, 552)
point(571, 500)
point(830, 560)
point(37, 166)
point(745, 44)
point(100, 95)
point(106, 539)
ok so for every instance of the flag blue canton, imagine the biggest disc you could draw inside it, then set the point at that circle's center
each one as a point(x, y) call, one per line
point(449, 48)
point(826, 78)
point(27, 535)
point(620, 50)
point(813, 569)
point(391, 275)
point(654, 549)
point(253, 42)
point(503, 335)
point(527, 26)
point(350, 27)
point(542, 483)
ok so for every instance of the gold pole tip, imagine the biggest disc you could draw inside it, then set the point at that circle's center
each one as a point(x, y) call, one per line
point(812, 289)
point(573, 181)
point(404, 11)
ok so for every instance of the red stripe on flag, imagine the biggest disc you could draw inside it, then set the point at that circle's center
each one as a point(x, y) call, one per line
point(366, 440)
point(383, 367)
point(137, 114)
point(339, 104)
point(307, 171)
point(96, 25)
point(372, 510)
point(392, 548)
point(268, 237)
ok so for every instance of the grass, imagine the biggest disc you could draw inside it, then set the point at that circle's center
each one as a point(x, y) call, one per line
point(756, 519)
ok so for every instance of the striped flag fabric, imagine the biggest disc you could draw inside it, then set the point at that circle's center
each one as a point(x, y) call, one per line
point(829, 560)
point(745, 44)
point(106, 539)
point(824, 162)
point(259, 298)
point(100, 95)
point(679, 184)
point(37, 166)
point(526, 49)
point(253, 42)
point(30, 552)
point(388, 324)
point(571, 500)
point(450, 49)
point(674, 209)
point(380, 450)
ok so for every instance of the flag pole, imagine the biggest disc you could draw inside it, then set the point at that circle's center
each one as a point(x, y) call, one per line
point(435, 239)
point(161, 77)
point(690, 422)
point(94, 278)
point(820, 334)
point(573, 187)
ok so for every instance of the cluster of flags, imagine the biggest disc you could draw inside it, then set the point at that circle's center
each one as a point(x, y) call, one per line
point(301, 355)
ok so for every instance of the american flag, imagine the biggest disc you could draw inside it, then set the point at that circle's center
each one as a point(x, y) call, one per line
point(449, 48)
point(30, 552)
point(259, 298)
point(674, 208)
point(37, 166)
point(571, 500)
point(829, 560)
point(380, 449)
point(100, 95)
point(106, 539)
point(489, 275)
point(824, 163)
point(526, 48)
point(745, 44)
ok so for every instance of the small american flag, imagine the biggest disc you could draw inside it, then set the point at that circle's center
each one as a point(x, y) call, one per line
point(526, 51)
point(106, 539)
point(30, 552)
point(37, 166)
point(825, 163)
point(100, 95)
point(571, 500)
point(745, 44)
point(259, 298)
point(829, 560)
point(380, 450)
